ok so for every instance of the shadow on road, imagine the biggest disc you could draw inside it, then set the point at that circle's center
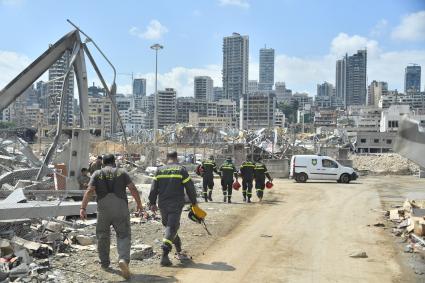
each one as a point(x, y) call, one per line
point(151, 278)
point(217, 266)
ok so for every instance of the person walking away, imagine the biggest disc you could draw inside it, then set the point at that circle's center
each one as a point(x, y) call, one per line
point(96, 165)
point(227, 172)
point(167, 189)
point(260, 174)
point(208, 168)
point(110, 185)
point(247, 173)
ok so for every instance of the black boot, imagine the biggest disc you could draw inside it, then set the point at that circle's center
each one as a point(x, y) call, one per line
point(224, 199)
point(244, 198)
point(249, 199)
point(165, 260)
point(229, 199)
point(210, 196)
point(206, 199)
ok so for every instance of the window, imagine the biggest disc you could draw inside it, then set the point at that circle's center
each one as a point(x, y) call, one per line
point(376, 140)
point(389, 141)
point(326, 163)
point(363, 140)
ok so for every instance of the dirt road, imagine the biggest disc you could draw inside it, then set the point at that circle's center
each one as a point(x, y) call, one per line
point(305, 233)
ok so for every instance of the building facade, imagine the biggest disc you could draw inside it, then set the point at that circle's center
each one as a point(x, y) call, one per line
point(355, 78)
point(54, 88)
point(100, 116)
point(235, 66)
point(375, 91)
point(139, 88)
point(257, 110)
point(203, 88)
point(167, 112)
point(412, 79)
point(266, 79)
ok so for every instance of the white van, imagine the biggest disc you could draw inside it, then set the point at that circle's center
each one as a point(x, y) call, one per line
point(317, 167)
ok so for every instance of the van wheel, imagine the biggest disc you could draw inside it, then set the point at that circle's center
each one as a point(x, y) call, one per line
point(302, 177)
point(345, 178)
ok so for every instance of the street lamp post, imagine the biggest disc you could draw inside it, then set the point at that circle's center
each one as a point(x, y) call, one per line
point(155, 47)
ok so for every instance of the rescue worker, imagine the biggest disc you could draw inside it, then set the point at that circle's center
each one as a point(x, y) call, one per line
point(260, 174)
point(110, 185)
point(167, 188)
point(227, 172)
point(208, 168)
point(96, 165)
point(247, 173)
point(83, 179)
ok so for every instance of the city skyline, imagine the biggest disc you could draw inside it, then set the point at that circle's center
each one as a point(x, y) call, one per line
point(301, 61)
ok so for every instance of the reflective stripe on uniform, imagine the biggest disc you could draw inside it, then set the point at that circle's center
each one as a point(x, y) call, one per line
point(227, 167)
point(186, 180)
point(166, 241)
point(170, 176)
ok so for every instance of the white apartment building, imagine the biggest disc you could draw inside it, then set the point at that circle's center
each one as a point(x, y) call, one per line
point(391, 117)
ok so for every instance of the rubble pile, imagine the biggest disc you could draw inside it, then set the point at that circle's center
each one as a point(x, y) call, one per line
point(384, 164)
point(409, 224)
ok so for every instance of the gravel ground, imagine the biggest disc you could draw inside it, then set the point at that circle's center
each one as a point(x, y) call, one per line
point(83, 266)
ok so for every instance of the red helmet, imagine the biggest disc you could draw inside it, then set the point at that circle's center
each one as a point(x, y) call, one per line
point(236, 185)
point(269, 185)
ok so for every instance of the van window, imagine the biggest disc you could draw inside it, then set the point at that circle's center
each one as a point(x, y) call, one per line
point(329, 163)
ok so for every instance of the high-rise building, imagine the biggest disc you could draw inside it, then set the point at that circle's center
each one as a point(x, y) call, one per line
point(375, 91)
point(235, 66)
point(166, 107)
point(266, 79)
point(252, 86)
point(218, 93)
point(139, 88)
point(54, 88)
point(203, 88)
point(100, 115)
point(412, 78)
point(351, 78)
point(325, 89)
point(340, 74)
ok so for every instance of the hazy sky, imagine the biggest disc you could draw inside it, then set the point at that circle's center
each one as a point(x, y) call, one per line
point(308, 37)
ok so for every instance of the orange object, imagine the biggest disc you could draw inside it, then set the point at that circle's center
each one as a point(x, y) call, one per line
point(269, 185)
point(236, 185)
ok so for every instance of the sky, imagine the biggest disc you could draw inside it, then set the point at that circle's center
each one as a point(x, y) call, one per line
point(308, 37)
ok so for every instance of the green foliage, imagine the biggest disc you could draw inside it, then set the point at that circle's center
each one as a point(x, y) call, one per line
point(290, 110)
point(7, 125)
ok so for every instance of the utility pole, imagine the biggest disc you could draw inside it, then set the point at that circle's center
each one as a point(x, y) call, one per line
point(155, 47)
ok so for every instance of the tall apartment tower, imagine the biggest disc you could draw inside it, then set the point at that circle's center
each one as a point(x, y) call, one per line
point(340, 79)
point(351, 78)
point(54, 88)
point(139, 88)
point(235, 66)
point(167, 107)
point(412, 78)
point(266, 79)
point(203, 88)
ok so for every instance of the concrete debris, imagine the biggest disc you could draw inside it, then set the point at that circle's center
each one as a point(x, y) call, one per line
point(141, 252)
point(358, 254)
point(410, 224)
point(52, 226)
point(388, 163)
point(85, 240)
